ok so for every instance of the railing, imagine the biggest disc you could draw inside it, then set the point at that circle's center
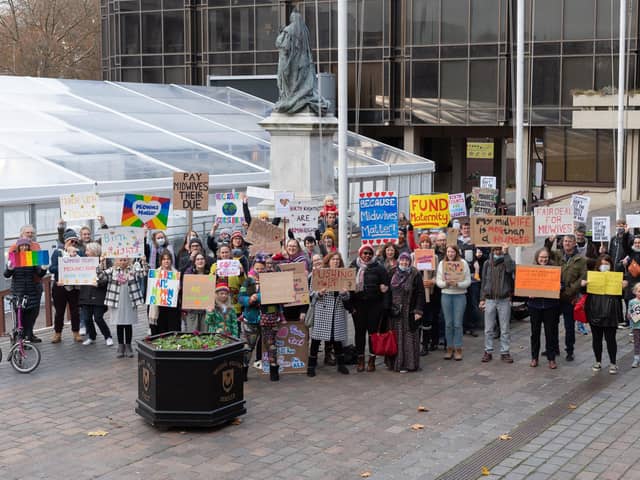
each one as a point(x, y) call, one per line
point(48, 305)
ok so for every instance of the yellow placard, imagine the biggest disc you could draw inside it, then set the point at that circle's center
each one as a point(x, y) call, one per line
point(429, 211)
point(480, 150)
point(604, 283)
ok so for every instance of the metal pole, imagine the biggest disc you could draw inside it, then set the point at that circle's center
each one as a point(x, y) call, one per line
point(343, 193)
point(621, 94)
point(519, 114)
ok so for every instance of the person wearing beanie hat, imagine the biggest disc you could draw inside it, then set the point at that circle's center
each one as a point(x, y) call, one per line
point(327, 242)
point(195, 246)
point(237, 243)
point(233, 282)
point(222, 319)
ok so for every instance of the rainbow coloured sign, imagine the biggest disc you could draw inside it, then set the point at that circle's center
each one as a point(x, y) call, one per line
point(29, 259)
point(145, 210)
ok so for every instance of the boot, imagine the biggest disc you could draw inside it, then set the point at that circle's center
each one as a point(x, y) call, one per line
point(273, 372)
point(77, 337)
point(57, 337)
point(457, 354)
point(128, 351)
point(311, 366)
point(371, 367)
point(120, 351)
point(342, 368)
point(329, 356)
point(360, 367)
point(449, 354)
point(245, 374)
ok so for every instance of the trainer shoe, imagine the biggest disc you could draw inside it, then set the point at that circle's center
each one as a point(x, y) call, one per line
point(613, 369)
point(486, 357)
point(88, 341)
point(109, 342)
point(83, 331)
point(596, 367)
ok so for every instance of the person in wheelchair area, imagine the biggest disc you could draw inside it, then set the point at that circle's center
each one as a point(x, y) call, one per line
point(24, 283)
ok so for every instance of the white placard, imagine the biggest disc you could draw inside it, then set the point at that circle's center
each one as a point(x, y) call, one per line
point(123, 242)
point(258, 192)
point(556, 220)
point(488, 182)
point(601, 229)
point(227, 268)
point(633, 221)
point(79, 206)
point(303, 218)
point(283, 203)
point(457, 205)
point(77, 270)
point(580, 205)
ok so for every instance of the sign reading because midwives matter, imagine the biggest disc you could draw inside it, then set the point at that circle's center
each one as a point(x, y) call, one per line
point(378, 216)
point(429, 211)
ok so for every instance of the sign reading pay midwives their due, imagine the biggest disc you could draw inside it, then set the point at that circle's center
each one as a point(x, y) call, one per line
point(162, 288)
point(378, 216)
point(190, 191)
point(429, 211)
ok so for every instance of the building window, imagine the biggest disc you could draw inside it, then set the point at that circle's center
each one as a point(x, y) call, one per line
point(152, 32)
point(173, 32)
point(455, 21)
point(485, 17)
point(219, 30)
point(242, 29)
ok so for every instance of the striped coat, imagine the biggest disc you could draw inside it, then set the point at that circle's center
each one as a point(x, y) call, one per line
point(329, 310)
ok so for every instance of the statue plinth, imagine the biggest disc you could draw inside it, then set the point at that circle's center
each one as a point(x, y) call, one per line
point(302, 154)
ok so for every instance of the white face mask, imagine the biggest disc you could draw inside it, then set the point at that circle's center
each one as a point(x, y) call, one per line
point(160, 241)
point(604, 267)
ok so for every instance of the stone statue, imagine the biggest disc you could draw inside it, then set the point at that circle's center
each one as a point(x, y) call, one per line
point(297, 83)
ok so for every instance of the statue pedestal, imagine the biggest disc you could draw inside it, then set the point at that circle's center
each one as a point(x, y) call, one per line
point(302, 161)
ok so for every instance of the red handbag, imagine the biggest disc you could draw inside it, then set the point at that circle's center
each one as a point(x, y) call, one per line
point(384, 343)
point(579, 315)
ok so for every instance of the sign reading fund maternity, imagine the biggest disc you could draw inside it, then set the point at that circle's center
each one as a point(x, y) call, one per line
point(429, 211)
point(379, 216)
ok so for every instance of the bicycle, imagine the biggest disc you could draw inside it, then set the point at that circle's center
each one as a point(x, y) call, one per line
point(23, 355)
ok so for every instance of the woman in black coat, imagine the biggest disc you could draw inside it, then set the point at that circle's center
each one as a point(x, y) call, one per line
point(91, 301)
point(372, 285)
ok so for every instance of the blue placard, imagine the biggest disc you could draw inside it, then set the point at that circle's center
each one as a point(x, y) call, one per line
point(379, 216)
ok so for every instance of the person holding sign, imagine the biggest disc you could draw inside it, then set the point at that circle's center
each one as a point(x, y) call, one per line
point(234, 282)
point(293, 254)
point(453, 277)
point(164, 319)
point(194, 319)
point(603, 313)
point(91, 300)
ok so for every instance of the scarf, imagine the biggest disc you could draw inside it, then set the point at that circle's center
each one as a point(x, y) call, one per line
point(362, 267)
point(399, 277)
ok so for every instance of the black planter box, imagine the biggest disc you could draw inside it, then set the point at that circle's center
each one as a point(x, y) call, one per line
point(190, 388)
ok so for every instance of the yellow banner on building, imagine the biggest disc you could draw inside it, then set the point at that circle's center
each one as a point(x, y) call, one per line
point(480, 150)
point(429, 211)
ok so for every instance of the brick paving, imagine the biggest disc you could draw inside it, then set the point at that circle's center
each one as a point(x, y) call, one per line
point(328, 427)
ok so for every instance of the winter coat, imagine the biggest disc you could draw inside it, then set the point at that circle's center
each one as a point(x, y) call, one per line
point(23, 283)
point(603, 310)
point(218, 322)
point(112, 297)
point(619, 248)
point(574, 270)
point(412, 298)
point(374, 276)
point(54, 268)
point(93, 295)
point(500, 270)
point(250, 311)
point(329, 312)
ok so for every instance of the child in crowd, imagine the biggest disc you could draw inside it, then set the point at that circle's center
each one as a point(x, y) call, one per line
point(633, 312)
point(222, 319)
point(329, 205)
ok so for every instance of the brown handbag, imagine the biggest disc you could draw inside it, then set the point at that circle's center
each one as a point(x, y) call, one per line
point(634, 269)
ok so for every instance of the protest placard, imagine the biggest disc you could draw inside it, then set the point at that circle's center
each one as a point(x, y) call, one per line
point(145, 210)
point(333, 279)
point(122, 242)
point(300, 282)
point(257, 192)
point(227, 268)
point(600, 229)
point(553, 220)
point(190, 191)
point(31, 258)
point(425, 259)
point(453, 271)
point(292, 342)
point(264, 237)
point(580, 205)
point(429, 211)
point(79, 206)
point(77, 270)
point(457, 205)
point(604, 283)
point(277, 287)
point(537, 281)
point(496, 231)
point(282, 203)
point(303, 218)
point(633, 221)
point(229, 208)
point(378, 217)
point(162, 288)
point(483, 201)
point(198, 292)
point(488, 182)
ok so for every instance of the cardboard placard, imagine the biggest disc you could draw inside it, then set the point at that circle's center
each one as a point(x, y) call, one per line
point(580, 205)
point(264, 237)
point(122, 242)
point(333, 279)
point(282, 203)
point(483, 201)
point(488, 182)
point(453, 271)
point(429, 211)
point(79, 206)
point(604, 283)
point(425, 259)
point(300, 282)
point(227, 268)
point(496, 231)
point(229, 208)
point(162, 288)
point(457, 205)
point(190, 191)
point(452, 236)
point(600, 229)
point(277, 287)
point(258, 192)
point(378, 216)
point(77, 270)
point(537, 281)
point(633, 221)
point(553, 221)
point(145, 210)
point(303, 218)
point(292, 341)
point(198, 292)
point(31, 258)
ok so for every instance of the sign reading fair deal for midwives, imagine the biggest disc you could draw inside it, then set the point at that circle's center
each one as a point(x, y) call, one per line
point(429, 211)
point(378, 216)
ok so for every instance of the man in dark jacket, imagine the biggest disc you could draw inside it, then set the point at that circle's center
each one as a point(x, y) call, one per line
point(620, 245)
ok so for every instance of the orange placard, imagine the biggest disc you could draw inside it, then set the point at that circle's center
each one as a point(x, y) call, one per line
point(537, 281)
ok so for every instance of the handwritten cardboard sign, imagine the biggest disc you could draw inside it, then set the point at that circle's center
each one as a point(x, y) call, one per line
point(77, 270)
point(145, 210)
point(79, 206)
point(601, 229)
point(162, 288)
point(483, 201)
point(333, 279)
point(198, 292)
point(537, 281)
point(496, 231)
point(264, 237)
point(457, 205)
point(604, 283)
point(580, 204)
point(229, 208)
point(292, 342)
point(190, 191)
point(123, 242)
point(553, 221)
point(429, 211)
point(303, 218)
point(300, 282)
point(277, 287)
point(453, 271)
point(378, 216)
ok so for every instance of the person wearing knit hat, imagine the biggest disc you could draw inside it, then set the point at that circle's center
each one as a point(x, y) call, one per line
point(328, 243)
point(222, 319)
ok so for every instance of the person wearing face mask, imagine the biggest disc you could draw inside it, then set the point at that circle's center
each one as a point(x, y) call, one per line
point(603, 312)
point(153, 250)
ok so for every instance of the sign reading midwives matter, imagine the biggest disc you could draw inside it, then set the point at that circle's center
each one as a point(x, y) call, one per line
point(553, 221)
point(79, 206)
point(122, 242)
point(429, 211)
point(378, 217)
point(145, 210)
point(600, 229)
point(580, 205)
point(162, 288)
point(190, 191)
point(229, 208)
point(457, 205)
point(496, 231)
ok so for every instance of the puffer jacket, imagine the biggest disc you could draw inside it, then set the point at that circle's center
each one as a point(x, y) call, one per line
point(374, 276)
point(93, 295)
point(23, 282)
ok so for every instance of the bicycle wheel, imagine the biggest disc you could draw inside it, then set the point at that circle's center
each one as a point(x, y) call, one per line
point(27, 361)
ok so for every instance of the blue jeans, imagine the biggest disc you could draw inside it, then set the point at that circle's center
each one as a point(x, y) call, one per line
point(453, 306)
point(566, 308)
